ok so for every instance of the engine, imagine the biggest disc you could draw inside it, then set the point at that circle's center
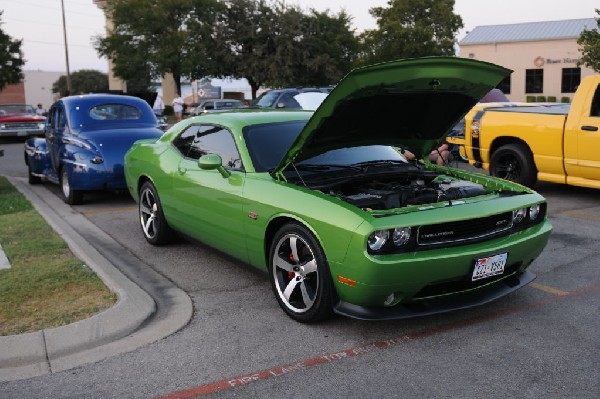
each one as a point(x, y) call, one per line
point(385, 194)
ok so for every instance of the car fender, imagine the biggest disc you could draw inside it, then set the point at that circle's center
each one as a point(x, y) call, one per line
point(36, 155)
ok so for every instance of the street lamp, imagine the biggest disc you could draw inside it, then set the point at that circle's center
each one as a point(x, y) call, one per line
point(66, 47)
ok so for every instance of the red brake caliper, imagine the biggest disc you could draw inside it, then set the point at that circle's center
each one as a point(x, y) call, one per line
point(291, 275)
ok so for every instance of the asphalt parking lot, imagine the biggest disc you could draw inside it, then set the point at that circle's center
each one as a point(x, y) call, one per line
point(541, 341)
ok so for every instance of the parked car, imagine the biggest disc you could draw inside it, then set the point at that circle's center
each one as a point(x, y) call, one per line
point(285, 98)
point(328, 205)
point(85, 141)
point(216, 105)
point(20, 120)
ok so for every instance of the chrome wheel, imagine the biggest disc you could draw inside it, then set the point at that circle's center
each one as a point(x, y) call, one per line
point(148, 208)
point(295, 273)
point(154, 226)
point(299, 274)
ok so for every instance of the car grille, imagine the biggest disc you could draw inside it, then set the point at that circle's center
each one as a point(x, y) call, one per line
point(22, 125)
point(472, 229)
point(464, 283)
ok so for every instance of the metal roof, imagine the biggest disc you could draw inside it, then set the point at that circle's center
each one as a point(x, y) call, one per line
point(530, 31)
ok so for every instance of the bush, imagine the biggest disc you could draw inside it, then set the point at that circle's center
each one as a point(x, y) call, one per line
point(540, 99)
point(530, 99)
point(551, 99)
point(169, 110)
point(565, 100)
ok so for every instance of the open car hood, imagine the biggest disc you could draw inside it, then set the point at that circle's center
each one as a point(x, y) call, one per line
point(408, 103)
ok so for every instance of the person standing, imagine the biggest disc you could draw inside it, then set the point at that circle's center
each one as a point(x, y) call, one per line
point(40, 110)
point(159, 106)
point(178, 107)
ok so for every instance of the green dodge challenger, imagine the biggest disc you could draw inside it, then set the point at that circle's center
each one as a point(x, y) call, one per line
point(330, 206)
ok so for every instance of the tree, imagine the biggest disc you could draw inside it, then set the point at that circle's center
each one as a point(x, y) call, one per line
point(411, 28)
point(11, 59)
point(329, 48)
point(155, 37)
point(83, 81)
point(271, 43)
point(589, 40)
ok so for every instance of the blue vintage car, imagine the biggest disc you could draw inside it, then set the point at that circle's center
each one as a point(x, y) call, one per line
point(85, 141)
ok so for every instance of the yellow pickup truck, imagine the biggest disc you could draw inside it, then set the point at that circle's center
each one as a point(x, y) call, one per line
point(555, 143)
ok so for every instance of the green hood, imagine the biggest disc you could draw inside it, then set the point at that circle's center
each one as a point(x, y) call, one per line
point(409, 103)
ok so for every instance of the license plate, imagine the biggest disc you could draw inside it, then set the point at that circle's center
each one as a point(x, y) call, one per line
point(489, 266)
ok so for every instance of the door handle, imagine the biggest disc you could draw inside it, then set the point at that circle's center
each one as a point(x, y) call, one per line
point(589, 128)
point(181, 171)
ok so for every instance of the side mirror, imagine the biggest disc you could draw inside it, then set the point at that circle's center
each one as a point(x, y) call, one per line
point(212, 162)
point(280, 105)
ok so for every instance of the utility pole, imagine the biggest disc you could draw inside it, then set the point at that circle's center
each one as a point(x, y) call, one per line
point(62, 2)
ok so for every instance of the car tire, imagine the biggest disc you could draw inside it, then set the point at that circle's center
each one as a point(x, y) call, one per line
point(152, 220)
point(70, 196)
point(514, 162)
point(299, 274)
point(32, 179)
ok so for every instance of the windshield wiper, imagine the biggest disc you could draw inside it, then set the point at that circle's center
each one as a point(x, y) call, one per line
point(325, 166)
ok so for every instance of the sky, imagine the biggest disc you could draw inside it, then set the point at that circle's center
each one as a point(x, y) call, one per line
point(39, 23)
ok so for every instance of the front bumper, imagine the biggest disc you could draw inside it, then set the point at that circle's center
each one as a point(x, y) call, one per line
point(21, 132)
point(433, 281)
point(436, 305)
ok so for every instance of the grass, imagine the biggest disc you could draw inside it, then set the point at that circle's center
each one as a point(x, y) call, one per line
point(47, 286)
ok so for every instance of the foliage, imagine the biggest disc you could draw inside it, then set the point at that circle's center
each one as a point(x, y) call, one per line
point(11, 59)
point(411, 28)
point(83, 81)
point(152, 38)
point(278, 45)
point(589, 40)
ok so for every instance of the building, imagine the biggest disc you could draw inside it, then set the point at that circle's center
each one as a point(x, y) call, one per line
point(543, 56)
point(36, 88)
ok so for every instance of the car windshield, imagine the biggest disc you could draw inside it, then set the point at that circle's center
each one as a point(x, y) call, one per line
point(268, 143)
point(8, 109)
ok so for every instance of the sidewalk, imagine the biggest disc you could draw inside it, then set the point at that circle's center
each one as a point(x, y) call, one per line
point(148, 309)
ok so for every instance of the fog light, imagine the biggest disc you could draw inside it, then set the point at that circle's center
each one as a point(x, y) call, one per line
point(519, 215)
point(390, 300)
point(377, 239)
point(401, 236)
point(534, 212)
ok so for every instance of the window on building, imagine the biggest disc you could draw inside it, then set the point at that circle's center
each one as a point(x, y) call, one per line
point(571, 77)
point(504, 86)
point(534, 81)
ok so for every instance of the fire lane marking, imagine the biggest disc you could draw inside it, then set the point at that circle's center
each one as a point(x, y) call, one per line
point(245, 379)
point(129, 208)
point(549, 290)
point(581, 215)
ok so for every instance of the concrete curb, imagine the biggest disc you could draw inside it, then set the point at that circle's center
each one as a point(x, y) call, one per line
point(113, 331)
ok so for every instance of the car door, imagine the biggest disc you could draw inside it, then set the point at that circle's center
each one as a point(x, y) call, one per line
point(54, 133)
point(588, 139)
point(209, 206)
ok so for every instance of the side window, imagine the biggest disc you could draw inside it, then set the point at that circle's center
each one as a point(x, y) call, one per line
point(184, 141)
point(216, 140)
point(595, 111)
point(209, 105)
point(61, 118)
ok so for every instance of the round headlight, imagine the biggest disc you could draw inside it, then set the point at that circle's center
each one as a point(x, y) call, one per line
point(534, 211)
point(401, 236)
point(519, 215)
point(377, 239)
point(41, 125)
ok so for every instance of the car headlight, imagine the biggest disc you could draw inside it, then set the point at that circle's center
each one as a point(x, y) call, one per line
point(519, 215)
point(41, 125)
point(401, 236)
point(534, 211)
point(377, 239)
